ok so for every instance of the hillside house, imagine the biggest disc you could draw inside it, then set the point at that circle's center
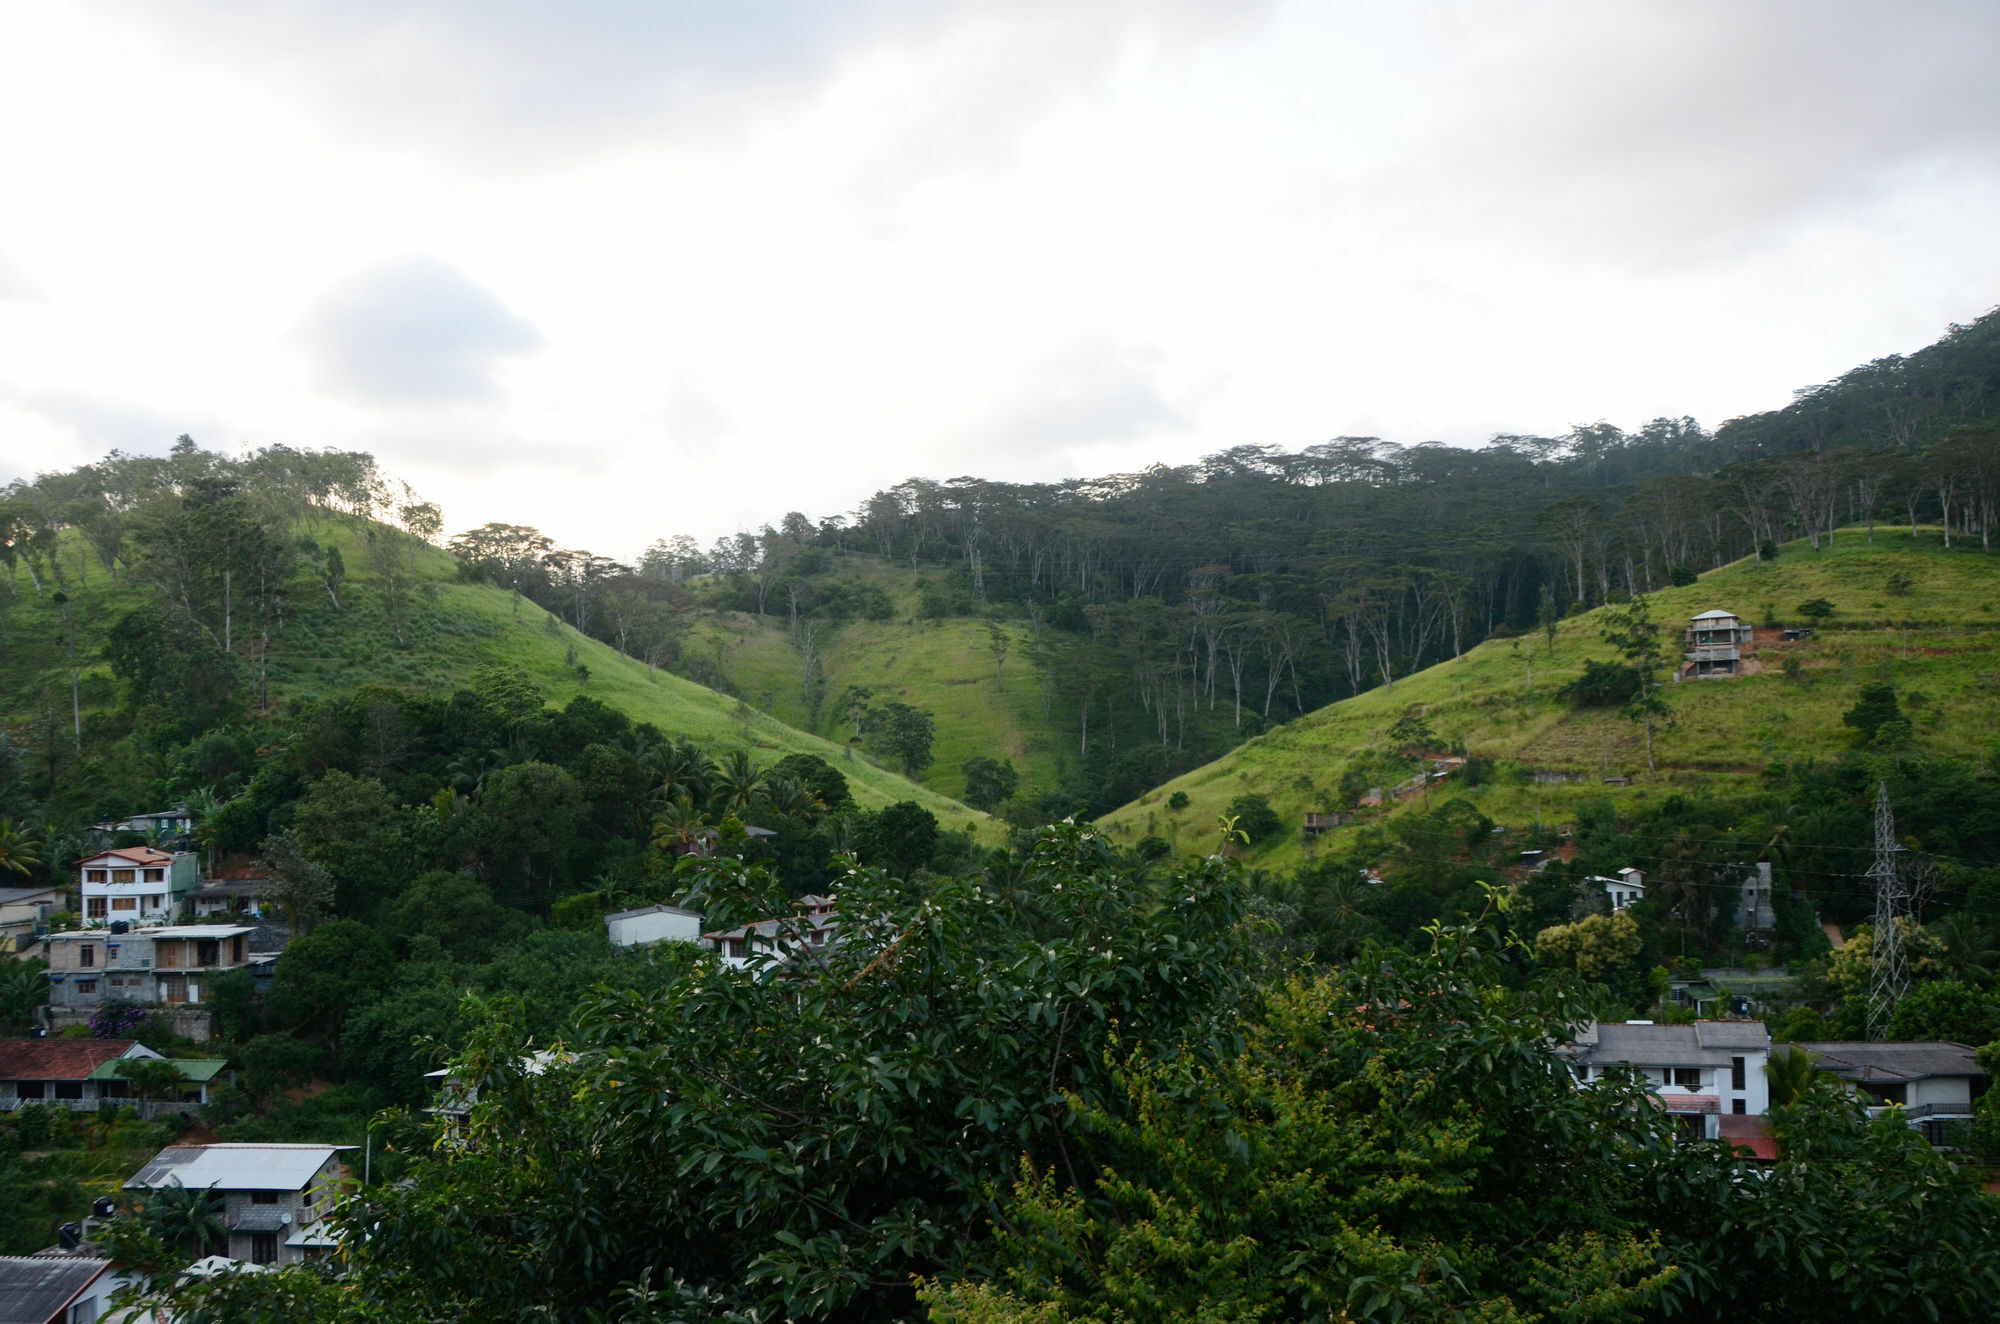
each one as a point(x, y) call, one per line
point(24, 914)
point(640, 928)
point(1755, 911)
point(1936, 1084)
point(160, 825)
point(1698, 1072)
point(1623, 891)
point(273, 1196)
point(57, 1288)
point(163, 966)
point(233, 898)
point(64, 1073)
point(135, 884)
point(1715, 644)
point(813, 928)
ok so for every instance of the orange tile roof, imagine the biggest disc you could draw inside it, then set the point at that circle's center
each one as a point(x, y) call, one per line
point(137, 854)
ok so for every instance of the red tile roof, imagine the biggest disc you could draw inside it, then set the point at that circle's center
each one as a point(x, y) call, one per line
point(57, 1059)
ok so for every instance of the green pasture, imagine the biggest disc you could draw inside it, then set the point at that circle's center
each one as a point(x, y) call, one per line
point(1937, 641)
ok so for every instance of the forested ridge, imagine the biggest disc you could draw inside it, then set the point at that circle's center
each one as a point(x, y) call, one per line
point(1174, 1065)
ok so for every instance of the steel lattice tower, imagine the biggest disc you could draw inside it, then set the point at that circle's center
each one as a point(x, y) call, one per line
point(1886, 984)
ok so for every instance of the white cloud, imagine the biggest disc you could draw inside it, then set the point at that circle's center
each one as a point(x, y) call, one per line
point(414, 331)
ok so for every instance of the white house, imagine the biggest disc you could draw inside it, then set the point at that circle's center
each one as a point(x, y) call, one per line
point(136, 884)
point(638, 928)
point(1935, 1084)
point(1753, 899)
point(1625, 890)
point(273, 1196)
point(1698, 1072)
point(812, 929)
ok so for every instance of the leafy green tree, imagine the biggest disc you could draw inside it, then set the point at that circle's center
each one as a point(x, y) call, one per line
point(904, 732)
point(1320, 1174)
point(304, 889)
point(831, 1135)
point(457, 912)
point(153, 1079)
point(902, 837)
point(328, 974)
point(524, 830)
point(1946, 1009)
point(988, 781)
point(818, 776)
point(274, 1063)
point(1593, 946)
point(353, 827)
point(1631, 629)
point(1816, 610)
point(1876, 707)
point(1255, 818)
point(1602, 685)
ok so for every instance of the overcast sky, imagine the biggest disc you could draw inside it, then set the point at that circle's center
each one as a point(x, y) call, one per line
point(625, 269)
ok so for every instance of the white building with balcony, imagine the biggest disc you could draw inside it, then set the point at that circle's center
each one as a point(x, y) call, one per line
point(1623, 891)
point(1715, 644)
point(136, 884)
point(1698, 1072)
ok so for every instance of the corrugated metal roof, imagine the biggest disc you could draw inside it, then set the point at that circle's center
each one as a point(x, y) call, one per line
point(1890, 1062)
point(34, 1289)
point(192, 1068)
point(1705, 1043)
point(235, 1167)
point(1713, 615)
point(652, 910)
point(9, 895)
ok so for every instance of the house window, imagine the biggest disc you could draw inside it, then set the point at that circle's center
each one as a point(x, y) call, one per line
point(117, 1089)
point(155, 901)
point(263, 1197)
point(124, 875)
point(263, 1247)
point(95, 876)
point(1739, 1107)
point(1686, 1077)
point(206, 952)
point(86, 986)
point(69, 1089)
point(156, 875)
point(86, 955)
point(124, 903)
point(94, 907)
point(1736, 1073)
point(1692, 1126)
point(110, 952)
point(28, 1089)
point(236, 949)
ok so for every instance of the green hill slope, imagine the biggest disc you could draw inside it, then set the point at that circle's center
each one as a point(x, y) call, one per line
point(448, 628)
point(1938, 641)
point(944, 665)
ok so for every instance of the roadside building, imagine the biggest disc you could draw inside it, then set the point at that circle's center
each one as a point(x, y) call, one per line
point(274, 1197)
point(1697, 1072)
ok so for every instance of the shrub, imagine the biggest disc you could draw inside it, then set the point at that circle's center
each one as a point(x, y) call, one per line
point(1602, 685)
point(1900, 583)
point(1255, 818)
point(1816, 609)
point(1177, 801)
point(1681, 576)
point(1876, 707)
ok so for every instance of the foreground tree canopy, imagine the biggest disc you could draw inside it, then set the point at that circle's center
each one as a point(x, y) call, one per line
point(1077, 1091)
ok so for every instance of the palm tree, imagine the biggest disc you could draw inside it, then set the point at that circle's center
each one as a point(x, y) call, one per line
point(681, 828)
point(188, 1219)
point(736, 781)
point(18, 852)
point(24, 986)
point(783, 795)
point(1790, 1073)
point(1968, 954)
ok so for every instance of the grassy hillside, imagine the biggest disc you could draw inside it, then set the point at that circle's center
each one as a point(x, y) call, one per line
point(944, 666)
point(449, 628)
point(1938, 642)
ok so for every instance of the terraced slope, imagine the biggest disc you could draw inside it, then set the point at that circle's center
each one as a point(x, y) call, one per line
point(1938, 641)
